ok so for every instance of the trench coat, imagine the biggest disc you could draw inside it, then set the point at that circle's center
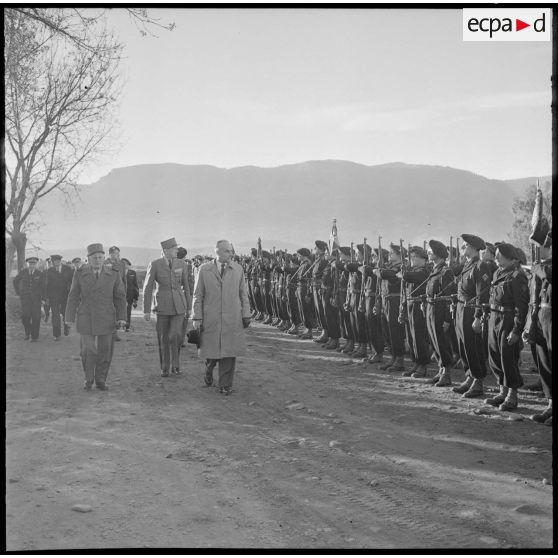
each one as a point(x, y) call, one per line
point(221, 304)
point(173, 290)
point(99, 303)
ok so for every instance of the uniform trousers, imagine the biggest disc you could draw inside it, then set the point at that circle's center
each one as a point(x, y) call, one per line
point(169, 337)
point(435, 316)
point(358, 321)
point(96, 356)
point(306, 308)
point(503, 358)
point(319, 308)
point(471, 344)
point(58, 310)
point(226, 369)
point(31, 315)
point(417, 334)
point(292, 306)
point(374, 332)
point(543, 350)
point(396, 331)
point(331, 314)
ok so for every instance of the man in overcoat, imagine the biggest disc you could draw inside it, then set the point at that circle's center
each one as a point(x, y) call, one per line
point(97, 297)
point(58, 280)
point(29, 286)
point(221, 312)
point(172, 303)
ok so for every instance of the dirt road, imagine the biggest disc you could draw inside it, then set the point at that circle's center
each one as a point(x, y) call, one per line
point(310, 451)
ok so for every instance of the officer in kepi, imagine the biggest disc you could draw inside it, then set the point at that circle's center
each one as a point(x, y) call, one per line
point(29, 286)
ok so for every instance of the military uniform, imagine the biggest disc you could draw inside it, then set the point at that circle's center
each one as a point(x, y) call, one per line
point(509, 304)
point(316, 288)
point(373, 321)
point(438, 293)
point(58, 280)
point(330, 304)
point(357, 315)
point(347, 331)
point(293, 308)
point(29, 286)
point(417, 332)
point(306, 307)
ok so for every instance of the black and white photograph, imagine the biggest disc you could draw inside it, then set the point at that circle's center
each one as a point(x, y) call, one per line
point(278, 277)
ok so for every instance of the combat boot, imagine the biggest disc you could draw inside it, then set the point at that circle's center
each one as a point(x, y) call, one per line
point(408, 373)
point(276, 322)
point(268, 320)
point(398, 365)
point(332, 344)
point(259, 316)
point(445, 377)
point(306, 334)
point(360, 351)
point(386, 365)
point(323, 338)
point(376, 358)
point(510, 403)
point(421, 371)
point(349, 347)
point(498, 399)
point(436, 377)
point(463, 387)
point(476, 389)
point(293, 330)
point(544, 416)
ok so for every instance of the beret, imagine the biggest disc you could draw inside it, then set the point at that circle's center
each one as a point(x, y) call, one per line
point(76, 260)
point(321, 245)
point(475, 241)
point(419, 251)
point(385, 253)
point(32, 259)
point(170, 243)
point(56, 257)
point(438, 248)
point(181, 252)
point(490, 248)
point(254, 252)
point(304, 252)
point(126, 260)
point(266, 254)
point(507, 250)
point(94, 248)
point(345, 250)
point(113, 249)
point(397, 249)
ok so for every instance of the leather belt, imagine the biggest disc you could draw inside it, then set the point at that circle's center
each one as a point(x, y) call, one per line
point(391, 295)
point(434, 300)
point(496, 308)
point(466, 301)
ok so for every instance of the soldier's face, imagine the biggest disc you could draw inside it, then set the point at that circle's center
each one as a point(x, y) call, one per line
point(487, 256)
point(96, 260)
point(393, 257)
point(32, 266)
point(223, 251)
point(171, 252)
point(115, 255)
point(468, 250)
point(502, 261)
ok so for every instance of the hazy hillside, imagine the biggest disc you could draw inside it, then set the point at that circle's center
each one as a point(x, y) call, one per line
point(141, 205)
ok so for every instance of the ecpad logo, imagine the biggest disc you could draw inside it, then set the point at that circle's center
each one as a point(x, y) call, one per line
point(506, 24)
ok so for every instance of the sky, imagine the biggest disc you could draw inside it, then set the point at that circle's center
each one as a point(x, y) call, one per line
point(266, 87)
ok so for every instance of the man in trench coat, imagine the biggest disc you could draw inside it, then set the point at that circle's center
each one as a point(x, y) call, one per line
point(221, 311)
point(97, 297)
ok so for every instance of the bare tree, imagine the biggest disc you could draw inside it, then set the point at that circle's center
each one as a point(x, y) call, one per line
point(522, 209)
point(61, 88)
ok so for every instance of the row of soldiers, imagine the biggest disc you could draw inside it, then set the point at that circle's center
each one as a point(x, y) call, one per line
point(478, 308)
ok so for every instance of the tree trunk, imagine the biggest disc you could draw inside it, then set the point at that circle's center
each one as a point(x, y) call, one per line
point(19, 240)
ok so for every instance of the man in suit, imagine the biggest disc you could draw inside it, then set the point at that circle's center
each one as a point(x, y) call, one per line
point(132, 289)
point(58, 280)
point(97, 297)
point(114, 262)
point(172, 303)
point(29, 286)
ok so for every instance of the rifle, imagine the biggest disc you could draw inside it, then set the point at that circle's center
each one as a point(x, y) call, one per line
point(378, 300)
point(403, 291)
point(451, 252)
point(458, 257)
point(362, 302)
point(352, 251)
point(424, 244)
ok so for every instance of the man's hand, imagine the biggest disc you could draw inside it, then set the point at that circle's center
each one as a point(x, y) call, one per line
point(121, 323)
point(377, 272)
point(147, 316)
point(197, 324)
point(526, 337)
point(246, 322)
point(399, 275)
point(477, 326)
point(512, 338)
point(445, 326)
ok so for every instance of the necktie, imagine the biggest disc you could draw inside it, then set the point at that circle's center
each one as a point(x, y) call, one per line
point(96, 275)
point(222, 270)
point(170, 264)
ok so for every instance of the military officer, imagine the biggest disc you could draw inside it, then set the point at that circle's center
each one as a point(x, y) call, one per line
point(132, 290)
point(295, 317)
point(58, 280)
point(415, 280)
point(538, 329)
point(439, 287)
point(330, 303)
point(306, 308)
point(344, 255)
point(355, 306)
point(473, 286)
point(173, 302)
point(509, 303)
point(29, 286)
point(98, 299)
point(320, 264)
point(391, 289)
